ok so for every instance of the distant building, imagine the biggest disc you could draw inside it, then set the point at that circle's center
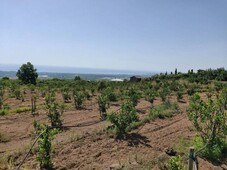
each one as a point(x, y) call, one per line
point(116, 79)
point(135, 79)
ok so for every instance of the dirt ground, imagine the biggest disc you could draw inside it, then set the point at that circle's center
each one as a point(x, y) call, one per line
point(89, 147)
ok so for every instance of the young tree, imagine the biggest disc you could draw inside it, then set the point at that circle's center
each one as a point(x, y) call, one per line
point(55, 110)
point(103, 105)
point(27, 74)
point(209, 118)
point(78, 98)
point(122, 119)
point(44, 149)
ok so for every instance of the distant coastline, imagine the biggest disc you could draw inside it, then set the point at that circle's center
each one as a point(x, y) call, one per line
point(48, 72)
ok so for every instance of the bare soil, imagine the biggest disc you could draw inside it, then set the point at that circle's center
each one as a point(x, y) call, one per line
point(89, 147)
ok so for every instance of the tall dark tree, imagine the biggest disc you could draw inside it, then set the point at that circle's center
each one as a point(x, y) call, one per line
point(176, 71)
point(27, 74)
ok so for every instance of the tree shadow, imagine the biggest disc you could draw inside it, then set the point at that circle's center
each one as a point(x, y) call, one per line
point(134, 139)
point(115, 104)
point(142, 111)
point(182, 101)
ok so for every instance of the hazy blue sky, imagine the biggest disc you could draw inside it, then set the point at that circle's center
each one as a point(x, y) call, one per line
point(115, 34)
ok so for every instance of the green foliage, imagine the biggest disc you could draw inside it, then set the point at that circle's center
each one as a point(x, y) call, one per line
point(150, 95)
point(4, 110)
point(55, 110)
point(175, 163)
point(17, 94)
point(21, 109)
point(78, 98)
point(164, 110)
point(164, 92)
point(209, 118)
point(109, 93)
point(213, 152)
point(179, 95)
point(45, 145)
point(103, 104)
point(101, 85)
point(76, 78)
point(133, 95)
point(27, 74)
point(218, 86)
point(122, 119)
point(1, 96)
point(66, 95)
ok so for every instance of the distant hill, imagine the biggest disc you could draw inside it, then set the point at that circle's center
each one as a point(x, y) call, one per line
point(46, 72)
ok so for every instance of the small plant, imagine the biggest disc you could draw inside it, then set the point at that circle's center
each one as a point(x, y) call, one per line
point(21, 109)
point(122, 119)
point(55, 110)
point(164, 92)
point(103, 106)
point(45, 145)
point(4, 110)
point(1, 103)
point(179, 95)
point(191, 91)
point(78, 98)
point(17, 94)
point(150, 96)
point(66, 95)
point(164, 110)
point(101, 85)
point(175, 163)
point(1, 96)
point(133, 95)
point(110, 94)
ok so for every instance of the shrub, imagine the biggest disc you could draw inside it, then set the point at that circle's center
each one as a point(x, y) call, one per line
point(66, 95)
point(133, 95)
point(179, 95)
point(164, 92)
point(111, 96)
point(214, 152)
point(175, 163)
point(17, 94)
point(78, 98)
point(150, 95)
point(122, 119)
point(103, 106)
point(45, 145)
point(55, 111)
point(164, 110)
point(209, 118)
point(101, 85)
point(4, 110)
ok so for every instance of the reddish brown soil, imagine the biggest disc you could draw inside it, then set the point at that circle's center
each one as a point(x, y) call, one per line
point(88, 147)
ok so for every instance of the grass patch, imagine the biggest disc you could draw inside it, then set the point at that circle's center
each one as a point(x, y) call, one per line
point(21, 110)
point(4, 110)
point(3, 138)
point(162, 111)
point(5, 163)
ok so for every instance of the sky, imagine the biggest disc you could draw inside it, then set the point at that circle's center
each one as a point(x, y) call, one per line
point(145, 35)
